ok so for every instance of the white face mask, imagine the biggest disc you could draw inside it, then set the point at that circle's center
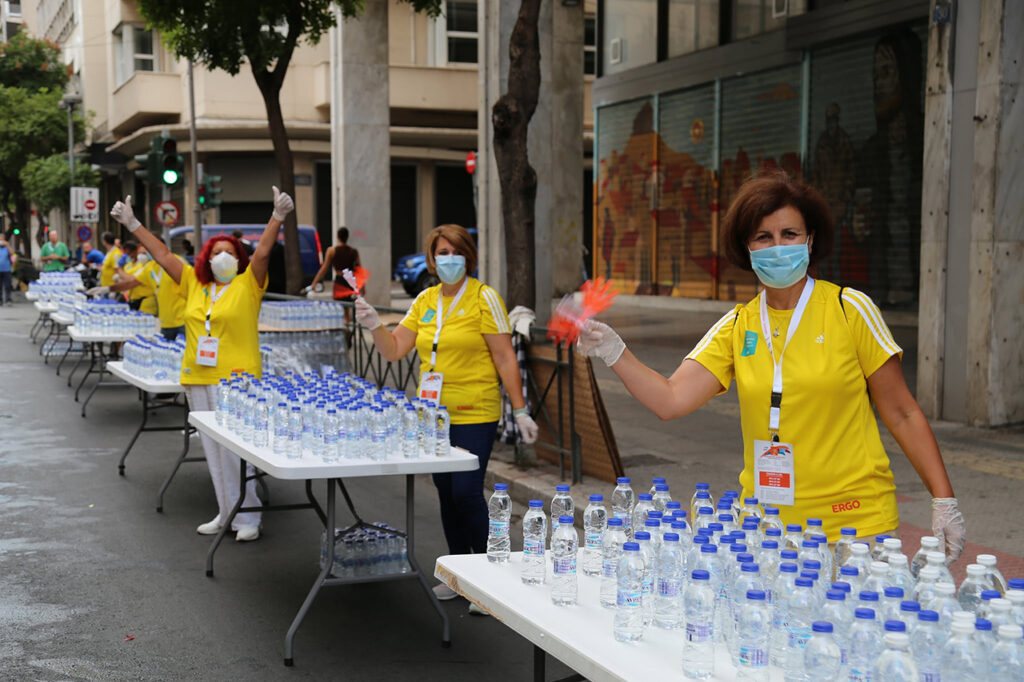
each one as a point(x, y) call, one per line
point(224, 266)
point(142, 258)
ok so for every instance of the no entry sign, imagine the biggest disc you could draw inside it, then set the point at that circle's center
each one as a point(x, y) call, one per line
point(167, 213)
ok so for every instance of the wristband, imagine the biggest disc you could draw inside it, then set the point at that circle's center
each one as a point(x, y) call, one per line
point(522, 411)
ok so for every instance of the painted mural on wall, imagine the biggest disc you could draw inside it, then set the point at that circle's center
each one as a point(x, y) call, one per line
point(656, 193)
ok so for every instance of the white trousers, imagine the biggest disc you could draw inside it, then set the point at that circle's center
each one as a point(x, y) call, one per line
point(224, 465)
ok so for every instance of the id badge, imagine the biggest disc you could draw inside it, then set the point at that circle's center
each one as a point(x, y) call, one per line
point(773, 472)
point(430, 387)
point(206, 351)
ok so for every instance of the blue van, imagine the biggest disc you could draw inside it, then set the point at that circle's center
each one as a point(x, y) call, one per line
point(309, 242)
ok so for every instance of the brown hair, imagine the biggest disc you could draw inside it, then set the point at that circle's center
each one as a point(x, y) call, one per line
point(460, 239)
point(761, 196)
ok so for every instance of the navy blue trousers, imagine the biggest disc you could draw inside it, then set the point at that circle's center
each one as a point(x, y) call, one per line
point(461, 493)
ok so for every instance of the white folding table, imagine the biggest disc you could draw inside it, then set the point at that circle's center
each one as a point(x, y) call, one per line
point(97, 360)
point(581, 636)
point(44, 308)
point(308, 469)
point(147, 387)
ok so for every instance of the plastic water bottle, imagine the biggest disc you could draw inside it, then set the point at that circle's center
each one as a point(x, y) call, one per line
point(657, 480)
point(410, 432)
point(782, 588)
point(669, 581)
point(753, 628)
point(879, 547)
point(611, 547)
point(623, 502)
point(995, 576)
point(963, 659)
point(595, 520)
point(428, 428)
point(223, 393)
point(643, 505)
point(261, 421)
point(331, 451)
point(889, 603)
point(248, 416)
point(499, 509)
point(938, 560)
point(294, 449)
point(535, 534)
point(841, 553)
point(1001, 612)
point(748, 579)
point(801, 608)
point(628, 624)
point(926, 642)
point(984, 636)
point(860, 558)
point(751, 507)
point(1007, 657)
point(794, 537)
point(910, 612)
point(896, 664)
point(378, 435)
point(768, 559)
point(443, 430)
point(308, 417)
point(771, 520)
point(822, 657)
point(899, 572)
point(707, 501)
point(280, 442)
point(865, 645)
point(977, 580)
point(561, 505)
point(661, 497)
point(927, 579)
point(944, 602)
point(564, 545)
point(836, 612)
point(698, 621)
point(647, 553)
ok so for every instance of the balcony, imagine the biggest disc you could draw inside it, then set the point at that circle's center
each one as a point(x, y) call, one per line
point(146, 98)
point(437, 88)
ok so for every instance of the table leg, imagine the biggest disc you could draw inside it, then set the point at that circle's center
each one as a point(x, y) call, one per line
point(67, 351)
point(289, 638)
point(314, 503)
point(49, 332)
point(78, 363)
point(35, 327)
point(142, 426)
point(538, 664)
point(183, 457)
point(226, 525)
point(103, 370)
point(92, 366)
point(410, 545)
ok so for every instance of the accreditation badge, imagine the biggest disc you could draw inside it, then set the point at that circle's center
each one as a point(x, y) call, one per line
point(773, 472)
point(206, 351)
point(430, 387)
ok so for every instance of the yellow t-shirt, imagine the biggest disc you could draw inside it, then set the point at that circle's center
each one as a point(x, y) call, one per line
point(109, 266)
point(841, 470)
point(145, 288)
point(234, 321)
point(470, 389)
point(170, 306)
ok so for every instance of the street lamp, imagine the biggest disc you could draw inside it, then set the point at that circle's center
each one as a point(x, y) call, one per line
point(69, 102)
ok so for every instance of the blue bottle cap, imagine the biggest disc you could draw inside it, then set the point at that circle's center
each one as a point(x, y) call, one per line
point(642, 535)
point(749, 567)
point(910, 606)
point(731, 493)
point(534, 504)
point(983, 624)
point(565, 518)
point(679, 513)
point(744, 557)
point(699, 574)
point(332, 412)
point(661, 488)
point(750, 525)
point(645, 497)
point(652, 523)
point(703, 486)
point(820, 539)
point(296, 408)
point(879, 539)
point(804, 582)
point(809, 544)
point(630, 547)
point(596, 498)
point(704, 531)
point(261, 400)
point(813, 522)
point(673, 505)
point(715, 527)
point(865, 614)
point(835, 595)
point(654, 514)
point(787, 567)
point(811, 565)
point(667, 521)
point(846, 530)
point(701, 540)
point(749, 500)
point(893, 592)
point(703, 495)
point(657, 479)
point(989, 594)
point(705, 511)
point(560, 488)
point(622, 480)
point(670, 537)
point(928, 615)
point(794, 528)
point(849, 570)
point(868, 595)
point(769, 544)
point(1016, 583)
point(709, 549)
point(755, 595)
point(772, 533)
point(788, 554)
point(679, 525)
point(895, 626)
point(725, 518)
point(810, 575)
point(737, 547)
point(842, 586)
point(823, 626)
point(771, 511)
point(615, 521)
point(724, 504)
point(501, 486)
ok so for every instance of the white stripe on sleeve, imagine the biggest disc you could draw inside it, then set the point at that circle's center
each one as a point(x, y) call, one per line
point(874, 322)
point(703, 343)
point(497, 311)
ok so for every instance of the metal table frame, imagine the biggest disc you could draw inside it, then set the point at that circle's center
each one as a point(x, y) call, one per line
point(97, 361)
point(202, 421)
point(43, 321)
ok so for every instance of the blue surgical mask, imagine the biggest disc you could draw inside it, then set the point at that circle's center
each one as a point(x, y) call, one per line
point(782, 266)
point(451, 268)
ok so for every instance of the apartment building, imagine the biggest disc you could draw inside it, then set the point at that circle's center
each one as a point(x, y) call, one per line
point(136, 88)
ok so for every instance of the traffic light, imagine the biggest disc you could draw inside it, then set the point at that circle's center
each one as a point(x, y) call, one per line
point(171, 164)
point(17, 231)
point(211, 195)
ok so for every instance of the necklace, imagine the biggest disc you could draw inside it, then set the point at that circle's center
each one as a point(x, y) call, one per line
point(775, 332)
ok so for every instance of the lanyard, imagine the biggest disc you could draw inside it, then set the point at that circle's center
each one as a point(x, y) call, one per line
point(158, 274)
point(214, 296)
point(805, 296)
point(440, 319)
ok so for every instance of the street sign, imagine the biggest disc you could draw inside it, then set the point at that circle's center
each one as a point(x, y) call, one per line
point(84, 233)
point(167, 213)
point(85, 204)
point(471, 162)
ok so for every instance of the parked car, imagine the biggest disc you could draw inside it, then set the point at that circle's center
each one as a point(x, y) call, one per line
point(412, 272)
point(309, 248)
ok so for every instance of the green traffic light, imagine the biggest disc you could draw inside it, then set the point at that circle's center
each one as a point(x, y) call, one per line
point(17, 230)
point(170, 176)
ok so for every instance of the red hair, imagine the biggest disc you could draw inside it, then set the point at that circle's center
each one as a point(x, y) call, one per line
point(203, 271)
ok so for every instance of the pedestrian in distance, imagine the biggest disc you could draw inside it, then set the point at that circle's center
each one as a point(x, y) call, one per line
point(340, 257)
point(109, 266)
point(54, 254)
point(222, 292)
point(809, 358)
point(7, 260)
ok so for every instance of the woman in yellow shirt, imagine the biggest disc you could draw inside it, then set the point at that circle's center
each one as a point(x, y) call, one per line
point(222, 304)
point(808, 358)
point(462, 333)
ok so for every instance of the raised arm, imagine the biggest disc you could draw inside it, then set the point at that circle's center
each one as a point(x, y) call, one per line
point(122, 213)
point(283, 205)
point(328, 260)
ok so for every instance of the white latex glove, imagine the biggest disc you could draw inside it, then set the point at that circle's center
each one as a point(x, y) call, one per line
point(948, 527)
point(599, 340)
point(97, 291)
point(122, 213)
point(366, 315)
point(527, 427)
point(283, 204)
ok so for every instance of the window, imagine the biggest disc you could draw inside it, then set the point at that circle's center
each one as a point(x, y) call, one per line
point(589, 46)
point(460, 38)
point(752, 17)
point(134, 48)
point(692, 25)
point(629, 35)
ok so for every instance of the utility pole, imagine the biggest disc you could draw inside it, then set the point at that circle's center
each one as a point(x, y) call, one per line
point(197, 168)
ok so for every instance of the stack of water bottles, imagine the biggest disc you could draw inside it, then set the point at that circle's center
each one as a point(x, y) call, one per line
point(67, 302)
point(367, 550)
point(305, 315)
point(301, 352)
point(97, 319)
point(771, 596)
point(331, 417)
point(154, 358)
point(52, 285)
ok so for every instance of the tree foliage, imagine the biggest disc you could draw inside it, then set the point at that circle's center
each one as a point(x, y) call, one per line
point(47, 181)
point(32, 64)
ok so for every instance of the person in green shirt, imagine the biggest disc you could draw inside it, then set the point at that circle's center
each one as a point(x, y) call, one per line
point(55, 254)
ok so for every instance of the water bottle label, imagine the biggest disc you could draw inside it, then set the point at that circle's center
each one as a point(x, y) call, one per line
point(648, 585)
point(280, 431)
point(699, 632)
point(931, 677)
point(797, 639)
point(668, 588)
point(593, 540)
point(628, 599)
point(499, 529)
point(753, 658)
point(533, 547)
point(565, 565)
point(608, 568)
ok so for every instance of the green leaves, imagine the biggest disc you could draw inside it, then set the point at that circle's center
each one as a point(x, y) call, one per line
point(31, 64)
point(47, 181)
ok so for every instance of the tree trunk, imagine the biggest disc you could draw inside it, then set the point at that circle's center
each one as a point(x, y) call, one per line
point(511, 116)
point(270, 88)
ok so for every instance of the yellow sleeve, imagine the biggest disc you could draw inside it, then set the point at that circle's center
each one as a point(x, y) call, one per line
point(716, 350)
point(871, 336)
point(188, 281)
point(255, 289)
point(493, 317)
point(411, 321)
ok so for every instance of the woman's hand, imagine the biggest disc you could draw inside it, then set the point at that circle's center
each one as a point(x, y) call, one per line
point(122, 212)
point(366, 315)
point(597, 339)
point(283, 204)
point(948, 526)
point(527, 427)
